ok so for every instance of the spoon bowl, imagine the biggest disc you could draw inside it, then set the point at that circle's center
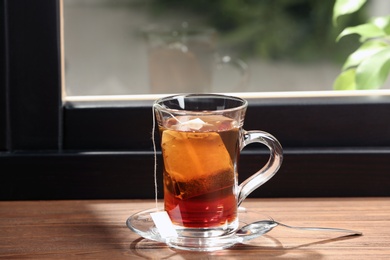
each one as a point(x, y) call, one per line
point(256, 229)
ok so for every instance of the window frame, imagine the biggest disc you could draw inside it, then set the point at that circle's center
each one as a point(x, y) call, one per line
point(56, 149)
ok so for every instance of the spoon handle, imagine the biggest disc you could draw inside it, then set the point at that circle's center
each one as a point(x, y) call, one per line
point(351, 232)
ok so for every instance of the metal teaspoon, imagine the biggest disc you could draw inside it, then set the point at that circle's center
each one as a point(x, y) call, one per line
point(261, 227)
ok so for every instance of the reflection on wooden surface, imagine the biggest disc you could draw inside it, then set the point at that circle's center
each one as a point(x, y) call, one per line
point(96, 229)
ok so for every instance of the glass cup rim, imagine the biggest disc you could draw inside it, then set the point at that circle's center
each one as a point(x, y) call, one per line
point(158, 103)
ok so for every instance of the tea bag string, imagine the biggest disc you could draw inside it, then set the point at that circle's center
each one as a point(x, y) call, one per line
point(155, 157)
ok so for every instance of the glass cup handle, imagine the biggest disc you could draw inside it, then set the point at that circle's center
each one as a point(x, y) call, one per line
point(268, 170)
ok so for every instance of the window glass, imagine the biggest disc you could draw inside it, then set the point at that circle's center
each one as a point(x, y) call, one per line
point(127, 47)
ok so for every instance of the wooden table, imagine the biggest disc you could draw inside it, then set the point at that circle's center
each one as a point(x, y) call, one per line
point(96, 230)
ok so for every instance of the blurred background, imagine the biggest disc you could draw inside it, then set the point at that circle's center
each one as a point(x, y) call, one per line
point(283, 45)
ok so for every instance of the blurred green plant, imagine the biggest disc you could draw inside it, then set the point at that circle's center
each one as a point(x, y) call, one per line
point(368, 66)
point(299, 30)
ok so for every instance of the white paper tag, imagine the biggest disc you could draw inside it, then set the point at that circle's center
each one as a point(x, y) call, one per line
point(164, 224)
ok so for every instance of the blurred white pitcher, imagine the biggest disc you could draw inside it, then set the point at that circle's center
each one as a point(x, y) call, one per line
point(185, 60)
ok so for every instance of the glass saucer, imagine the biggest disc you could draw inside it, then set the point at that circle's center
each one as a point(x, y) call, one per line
point(142, 224)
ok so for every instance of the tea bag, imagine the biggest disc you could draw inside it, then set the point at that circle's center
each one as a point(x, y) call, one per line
point(196, 162)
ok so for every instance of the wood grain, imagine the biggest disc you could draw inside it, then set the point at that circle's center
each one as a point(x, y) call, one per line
point(95, 229)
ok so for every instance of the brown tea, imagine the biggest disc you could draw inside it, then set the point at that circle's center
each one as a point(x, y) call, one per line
point(200, 156)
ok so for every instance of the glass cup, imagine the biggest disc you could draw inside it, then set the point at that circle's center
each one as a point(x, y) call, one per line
point(201, 139)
